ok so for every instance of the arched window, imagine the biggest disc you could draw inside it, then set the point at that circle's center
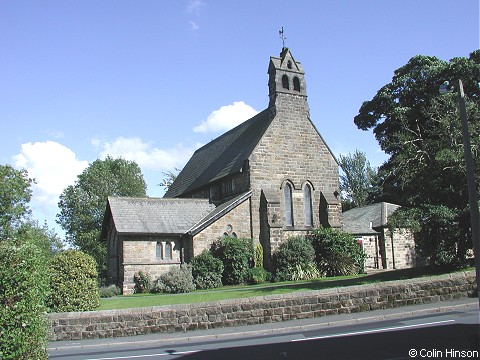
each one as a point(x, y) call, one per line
point(168, 250)
point(285, 82)
point(287, 194)
point(307, 199)
point(159, 250)
point(289, 64)
point(296, 84)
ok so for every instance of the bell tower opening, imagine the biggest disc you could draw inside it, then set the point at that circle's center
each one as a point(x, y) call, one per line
point(286, 77)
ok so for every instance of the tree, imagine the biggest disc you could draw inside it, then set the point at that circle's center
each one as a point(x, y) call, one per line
point(420, 130)
point(356, 180)
point(82, 205)
point(15, 194)
point(170, 177)
point(44, 238)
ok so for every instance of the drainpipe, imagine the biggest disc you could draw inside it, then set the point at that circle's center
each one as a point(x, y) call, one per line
point(182, 261)
point(393, 251)
point(385, 223)
point(377, 255)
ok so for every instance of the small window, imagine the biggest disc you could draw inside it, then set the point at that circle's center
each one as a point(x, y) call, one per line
point(289, 64)
point(296, 84)
point(287, 193)
point(168, 251)
point(159, 250)
point(307, 198)
point(285, 82)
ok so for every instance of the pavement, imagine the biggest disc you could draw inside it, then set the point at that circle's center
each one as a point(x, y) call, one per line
point(272, 328)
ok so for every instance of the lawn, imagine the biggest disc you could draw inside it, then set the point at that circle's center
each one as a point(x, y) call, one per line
point(236, 292)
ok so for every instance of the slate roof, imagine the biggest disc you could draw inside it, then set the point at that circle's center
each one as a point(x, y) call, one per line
point(219, 211)
point(357, 220)
point(157, 216)
point(222, 156)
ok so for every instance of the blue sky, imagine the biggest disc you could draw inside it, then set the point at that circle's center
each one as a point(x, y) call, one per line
point(151, 81)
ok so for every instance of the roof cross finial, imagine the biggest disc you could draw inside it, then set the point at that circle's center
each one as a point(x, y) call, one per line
point(281, 33)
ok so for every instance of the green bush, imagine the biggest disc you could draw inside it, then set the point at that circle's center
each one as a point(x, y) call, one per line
point(259, 255)
point(295, 251)
point(337, 253)
point(23, 291)
point(207, 271)
point(109, 291)
point(143, 282)
point(258, 275)
point(306, 272)
point(74, 282)
point(236, 255)
point(177, 280)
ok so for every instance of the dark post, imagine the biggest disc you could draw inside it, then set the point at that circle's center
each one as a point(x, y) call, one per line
point(471, 186)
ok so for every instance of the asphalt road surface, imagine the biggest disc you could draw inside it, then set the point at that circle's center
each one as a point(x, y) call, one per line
point(441, 330)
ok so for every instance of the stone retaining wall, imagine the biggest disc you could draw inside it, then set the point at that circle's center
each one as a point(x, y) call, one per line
point(257, 310)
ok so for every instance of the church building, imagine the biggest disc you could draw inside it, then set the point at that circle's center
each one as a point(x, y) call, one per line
point(270, 178)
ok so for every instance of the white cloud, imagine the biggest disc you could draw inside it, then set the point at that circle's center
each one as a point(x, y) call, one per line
point(194, 6)
point(226, 118)
point(144, 154)
point(194, 25)
point(54, 167)
point(56, 134)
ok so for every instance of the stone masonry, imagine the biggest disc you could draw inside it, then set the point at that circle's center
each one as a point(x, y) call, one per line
point(259, 310)
point(234, 223)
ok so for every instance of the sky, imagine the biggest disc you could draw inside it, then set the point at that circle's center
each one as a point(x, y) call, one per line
point(153, 80)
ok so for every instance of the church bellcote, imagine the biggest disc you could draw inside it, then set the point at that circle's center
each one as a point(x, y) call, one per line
point(286, 76)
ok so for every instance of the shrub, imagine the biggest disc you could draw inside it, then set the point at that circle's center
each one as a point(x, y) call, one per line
point(236, 255)
point(73, 282)
point(257, 275)
point(306, 272)
point(109, 291)
point(336, 252)
point(295, 251)
point(259, 255)
point(143, 282)
point(23, 291)
point(177, 280)
point(206, 271)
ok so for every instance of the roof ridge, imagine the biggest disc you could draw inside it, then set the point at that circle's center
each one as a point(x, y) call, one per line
point(222, 209)
point(225, 134)
point(221, 157)
point(158, 199)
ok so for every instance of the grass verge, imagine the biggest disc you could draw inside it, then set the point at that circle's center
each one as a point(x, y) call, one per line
point(236, 292)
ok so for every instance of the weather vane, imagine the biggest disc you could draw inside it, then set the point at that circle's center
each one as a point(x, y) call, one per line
point(282, 36)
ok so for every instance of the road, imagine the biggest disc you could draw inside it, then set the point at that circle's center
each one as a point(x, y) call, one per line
point(440, 330)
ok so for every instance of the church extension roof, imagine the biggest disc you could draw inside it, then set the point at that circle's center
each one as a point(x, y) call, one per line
point(357, 220)
point(221, 157)
point(219, 211)
point(157, 216)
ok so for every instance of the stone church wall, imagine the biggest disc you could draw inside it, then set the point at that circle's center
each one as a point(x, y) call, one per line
point(292, 150)
point(403, 252)
point(224, 188)
point(141, 255)
point(236, 222)
point(371, 247)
